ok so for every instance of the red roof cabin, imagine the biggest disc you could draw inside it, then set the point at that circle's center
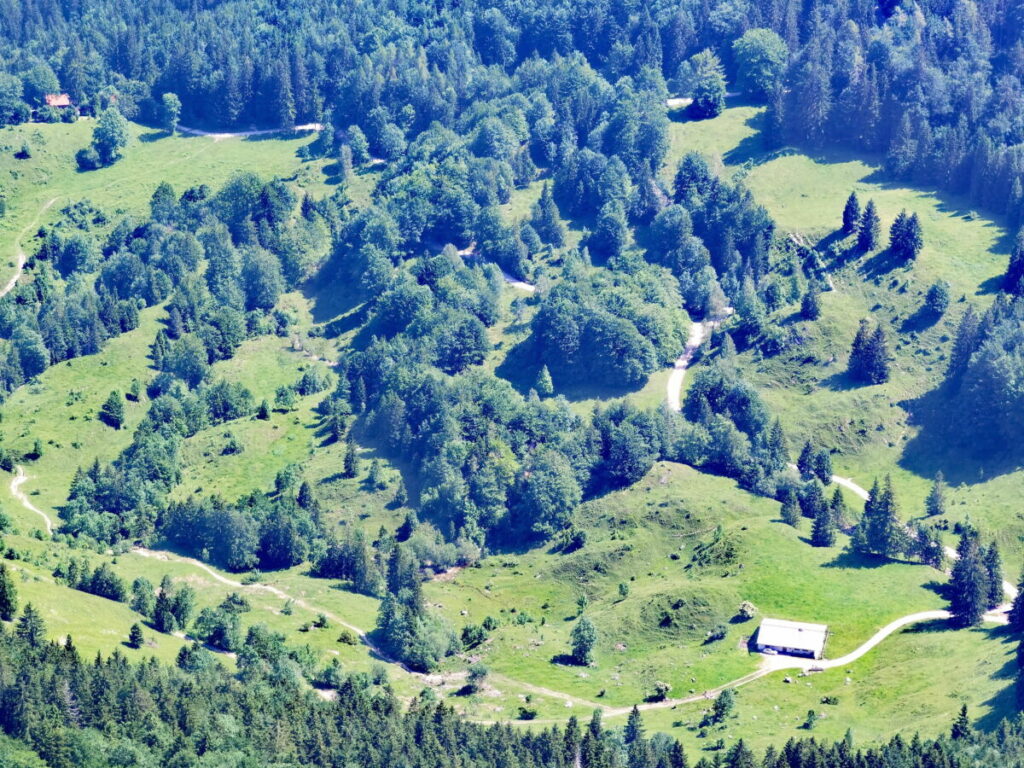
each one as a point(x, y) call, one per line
point(58, 100)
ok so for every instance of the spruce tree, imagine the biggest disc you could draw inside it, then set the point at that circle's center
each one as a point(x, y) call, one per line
point(823, 466)
point(544, 386)
point(135, 638)
point(30, 627)
point(8, 594)
point(823, 532)
point(1016, 616)
point(790, 513)
point(857, 366)
point(994, 571)
point(961, 726)
point(968, 583)
point(1013, 281)
point(869, 231)
point(851, 214)
point(935, 504)
point(263, 412)
point(112, 411)
point(805, 463)
point(546, 221)
point(351, 465)
point(812, 500)
point(914, 239)
point(898, 235)
point(810, 305)
point(877, 358)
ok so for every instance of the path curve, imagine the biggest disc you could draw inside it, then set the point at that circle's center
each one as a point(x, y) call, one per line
point(699, 331)
point(520, 284)
point(221, 135)
point(16, 482)
point(22, 257)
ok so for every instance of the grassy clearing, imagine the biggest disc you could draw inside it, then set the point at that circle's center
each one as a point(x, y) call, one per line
point(644, 537)
point(870, 429)
point(126, 187)
point(897, 688)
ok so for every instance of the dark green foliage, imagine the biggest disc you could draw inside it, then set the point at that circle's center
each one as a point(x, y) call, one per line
point(880, 530)
point(851, 214)
point(583, 638)
point(790, 513)
point(30, 627)
point(761, 57)
point(112, 411)
point(135, 638)
point(1013, 281)
point(8, 594)
point(937, 298)
point(708, 85)
point(969, 581)
point(869, 230)
point(810, 305)
point(869, 355)
point(905, 236)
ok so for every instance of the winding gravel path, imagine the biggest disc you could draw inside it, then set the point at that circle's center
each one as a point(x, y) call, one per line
point(16, 482)
point(22, 257)
point(699, 332)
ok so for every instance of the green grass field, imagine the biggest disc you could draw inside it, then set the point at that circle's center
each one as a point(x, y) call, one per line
point(871, 429)
point(643, 537)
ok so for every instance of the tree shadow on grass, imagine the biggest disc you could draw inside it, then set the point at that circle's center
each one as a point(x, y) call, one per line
point(564, 660)
point(882, 263)
point(941, 444)
point(840, 381)
point(150, 136)
point(991, 286)
point(921, 320)
point(850, 559)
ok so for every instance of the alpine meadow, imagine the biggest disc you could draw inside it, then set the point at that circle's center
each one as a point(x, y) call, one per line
point(493, 384)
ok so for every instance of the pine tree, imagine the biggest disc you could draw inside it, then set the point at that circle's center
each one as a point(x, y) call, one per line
point(823, 532)
point(30, 627)
point(869, 232)
point(112, 411)
point(810, 305)
point(546, 221)
point(935, 504)
point(805, 462)
point(961, 726)
point(968, 582)
point(135, 638)
point(1016, 616)
point(851, 214)
point(544, 386)
point(967, 337)
point(263, 412)
point(823, 466)
point(1013, 281)
point(351, 466)
point(994, 571)
point(877, 359)
point(790, 513)
point(8, 594)
point(856, 368)
point(837, 506)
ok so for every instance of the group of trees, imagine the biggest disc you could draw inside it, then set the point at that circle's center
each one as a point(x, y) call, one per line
point(869, 355)
point(251, 235)
point(277, 718)
point(882, 533)
point(976, 583)
point(985, 395)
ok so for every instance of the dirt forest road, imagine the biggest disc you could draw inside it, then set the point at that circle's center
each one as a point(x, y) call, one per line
point(21, 256)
